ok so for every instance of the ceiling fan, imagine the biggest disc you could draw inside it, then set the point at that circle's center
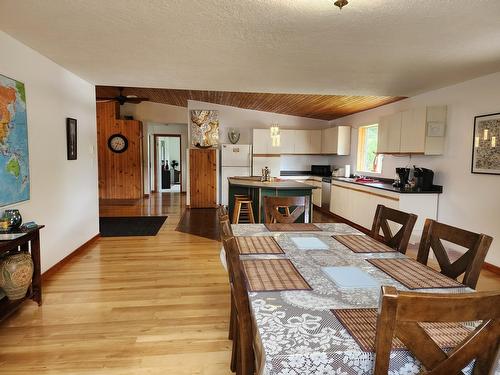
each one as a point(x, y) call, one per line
point(122, 99)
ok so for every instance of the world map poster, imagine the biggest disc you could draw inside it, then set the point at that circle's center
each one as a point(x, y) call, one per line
point(14, 160)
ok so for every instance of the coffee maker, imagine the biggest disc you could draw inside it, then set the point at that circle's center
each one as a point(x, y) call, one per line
point(402, 176)
point(424, 178)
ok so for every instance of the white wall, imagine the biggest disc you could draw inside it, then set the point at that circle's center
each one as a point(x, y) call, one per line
point(246, 120)
point(304, 162)
point(470, 201)
point(155, 112)
point(64, 193)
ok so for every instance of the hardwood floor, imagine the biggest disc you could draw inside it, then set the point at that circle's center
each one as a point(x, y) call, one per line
point(132, 305)
point(128, 305)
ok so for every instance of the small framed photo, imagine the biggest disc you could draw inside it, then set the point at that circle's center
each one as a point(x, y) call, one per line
point(71, 141)
point(486, 147)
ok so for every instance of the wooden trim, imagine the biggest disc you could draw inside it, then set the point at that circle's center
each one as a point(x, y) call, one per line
point(155, 172)
point(56, 267)
point(491, 267)
point(367, 192)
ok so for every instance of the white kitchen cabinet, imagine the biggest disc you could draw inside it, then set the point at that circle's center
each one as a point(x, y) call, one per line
point(329, 141)
point(358, 203)
point(413, 124)
point(287, 140)
point(415, 131)
point(336, 140)
point(262, 144)
point(314, 141)
point(389, 134)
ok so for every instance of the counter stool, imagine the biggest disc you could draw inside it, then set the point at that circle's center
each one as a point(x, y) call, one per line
point(243, 210)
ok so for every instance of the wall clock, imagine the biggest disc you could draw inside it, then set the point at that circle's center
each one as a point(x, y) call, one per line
point(118, 143)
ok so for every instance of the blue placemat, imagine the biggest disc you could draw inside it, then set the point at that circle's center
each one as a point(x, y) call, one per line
point(350, 277)
point(309, 243)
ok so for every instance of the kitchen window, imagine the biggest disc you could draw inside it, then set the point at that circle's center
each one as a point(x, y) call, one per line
point(368, 159)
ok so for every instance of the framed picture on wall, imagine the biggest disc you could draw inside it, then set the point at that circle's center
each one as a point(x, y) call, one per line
point(71, 138)
point(486, 148)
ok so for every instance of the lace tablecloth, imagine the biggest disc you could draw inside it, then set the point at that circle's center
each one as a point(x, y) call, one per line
point(298, 333)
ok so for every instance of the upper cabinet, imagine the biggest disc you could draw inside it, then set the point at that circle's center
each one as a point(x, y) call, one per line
point(336, 140)
point(415, 131)
point(304, 142)
point(262, 143)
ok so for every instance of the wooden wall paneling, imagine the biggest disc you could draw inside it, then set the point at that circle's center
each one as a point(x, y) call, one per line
point(202, 178)
point(120, 174)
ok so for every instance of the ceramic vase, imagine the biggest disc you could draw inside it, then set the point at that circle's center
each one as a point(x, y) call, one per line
point(16, 273)
point(15, 218)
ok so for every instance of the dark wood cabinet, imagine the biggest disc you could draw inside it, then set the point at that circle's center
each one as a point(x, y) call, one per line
point(29, 242)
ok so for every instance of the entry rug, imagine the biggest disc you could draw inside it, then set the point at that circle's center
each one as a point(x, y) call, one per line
point(414, 275)
point(363, 244)
point(362, 326)
point(268, 275)
point(258, 245)
point(294, 227)
point(130, 226)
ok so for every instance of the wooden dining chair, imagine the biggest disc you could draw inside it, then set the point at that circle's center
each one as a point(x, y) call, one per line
point(469, 263)
point(398, 241)
point(401, 312)
point(244, 333)
point(293, 208)
point(226, 233)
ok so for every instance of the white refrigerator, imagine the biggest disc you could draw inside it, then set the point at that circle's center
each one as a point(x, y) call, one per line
point(236, 160)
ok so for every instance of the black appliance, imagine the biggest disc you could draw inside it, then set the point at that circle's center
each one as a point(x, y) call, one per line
point(321, 170)
point(403, 175)
point(424, 178)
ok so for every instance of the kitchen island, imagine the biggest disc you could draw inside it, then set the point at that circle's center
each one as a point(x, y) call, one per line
point(257, 190)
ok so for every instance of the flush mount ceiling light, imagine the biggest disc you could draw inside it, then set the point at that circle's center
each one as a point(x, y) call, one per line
point(341, 3)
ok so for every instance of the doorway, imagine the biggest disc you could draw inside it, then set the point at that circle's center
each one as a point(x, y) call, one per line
point(168, 163)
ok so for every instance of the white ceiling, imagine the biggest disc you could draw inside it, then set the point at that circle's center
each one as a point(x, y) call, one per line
point(371, 47)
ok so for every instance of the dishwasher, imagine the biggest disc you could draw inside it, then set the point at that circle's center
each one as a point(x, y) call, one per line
point(326, 192)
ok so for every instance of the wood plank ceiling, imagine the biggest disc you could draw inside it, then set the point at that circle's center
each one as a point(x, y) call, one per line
point(323, 107)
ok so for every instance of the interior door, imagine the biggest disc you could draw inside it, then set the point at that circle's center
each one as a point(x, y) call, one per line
point(202, 178)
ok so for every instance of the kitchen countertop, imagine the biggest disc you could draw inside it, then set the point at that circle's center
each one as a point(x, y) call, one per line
point(387, 185)
point(254, 182)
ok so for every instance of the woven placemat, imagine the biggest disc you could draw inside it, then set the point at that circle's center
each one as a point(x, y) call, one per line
point(265, 275)
point(362, 326)
point(414, 275)
point(363, 244)
point(294, 227)
point(258, 245)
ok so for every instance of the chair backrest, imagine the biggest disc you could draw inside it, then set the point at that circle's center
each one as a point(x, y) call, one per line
point(383, 216)
point(400, 313)
point(469, 263)
point(224, 223)
point(273, 214)
point(242, 305)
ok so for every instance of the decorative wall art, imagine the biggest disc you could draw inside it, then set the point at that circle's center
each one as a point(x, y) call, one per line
point(486, 150)
point(204, 128)
point(71, 138)
point(234, 135)
point(14, 158)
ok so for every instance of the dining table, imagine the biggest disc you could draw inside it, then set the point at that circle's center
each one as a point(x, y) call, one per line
point(296, 331)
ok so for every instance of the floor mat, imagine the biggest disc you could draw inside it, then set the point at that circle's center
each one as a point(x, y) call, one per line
point(130, 226)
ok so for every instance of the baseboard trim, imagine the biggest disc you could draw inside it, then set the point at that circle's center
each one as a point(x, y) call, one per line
point(492, 268)
point(56, 267)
